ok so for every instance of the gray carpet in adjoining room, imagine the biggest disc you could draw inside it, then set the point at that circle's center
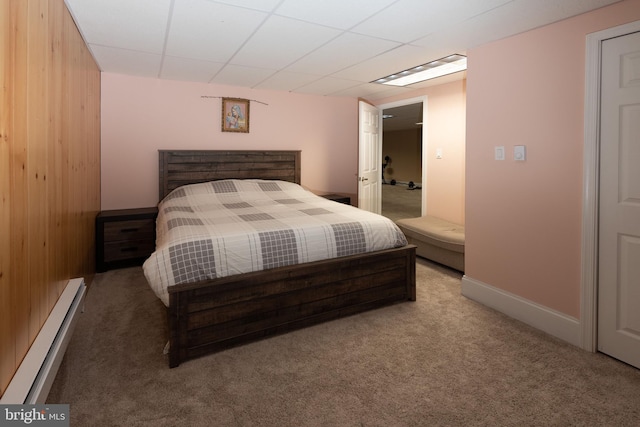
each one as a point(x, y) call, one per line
point(399, 202)
point(440, 361)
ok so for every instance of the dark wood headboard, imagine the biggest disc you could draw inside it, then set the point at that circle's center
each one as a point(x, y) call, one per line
point(181, 167)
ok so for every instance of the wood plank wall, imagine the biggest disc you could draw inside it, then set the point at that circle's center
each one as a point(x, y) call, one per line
point(49, 167)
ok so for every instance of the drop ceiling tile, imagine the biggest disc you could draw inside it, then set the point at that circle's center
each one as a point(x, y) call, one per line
point(408, 20)
point(505, 21)
point(341, 53)
point(210, 31)
point(135, 25)
point(333, 13)
point(287, 81)
point(307, 36)
point(193, 70)
point(551, 11)
point(237, 75)
point(124, 61)
point(386, 94)
point(326, 86)
point(280, 41)
point(371, 91)
point(263, 5)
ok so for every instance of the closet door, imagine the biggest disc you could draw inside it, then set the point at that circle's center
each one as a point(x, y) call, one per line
point(619, 235)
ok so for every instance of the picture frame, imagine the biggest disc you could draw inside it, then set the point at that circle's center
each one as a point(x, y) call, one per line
point(235, 115)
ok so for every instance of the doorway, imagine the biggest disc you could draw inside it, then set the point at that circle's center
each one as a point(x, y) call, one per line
point(593, 192)
point(403, 166)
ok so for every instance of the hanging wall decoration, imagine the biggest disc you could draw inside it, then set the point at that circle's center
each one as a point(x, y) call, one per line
point(235, 115)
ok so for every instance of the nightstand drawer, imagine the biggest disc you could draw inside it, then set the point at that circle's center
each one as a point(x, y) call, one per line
point(128, 249)
point(127, 230)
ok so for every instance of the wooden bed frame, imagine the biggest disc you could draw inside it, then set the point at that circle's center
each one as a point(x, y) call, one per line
point(208, 316)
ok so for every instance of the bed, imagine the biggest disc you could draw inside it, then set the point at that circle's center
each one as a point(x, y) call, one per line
point(244, 300)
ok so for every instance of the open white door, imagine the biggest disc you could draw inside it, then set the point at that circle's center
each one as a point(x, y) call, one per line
point(619, 236)
point(370, 158)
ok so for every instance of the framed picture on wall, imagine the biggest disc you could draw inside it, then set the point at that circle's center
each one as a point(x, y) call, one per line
point(235, 115)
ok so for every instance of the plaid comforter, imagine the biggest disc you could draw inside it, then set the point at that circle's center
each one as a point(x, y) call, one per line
point(221, 228)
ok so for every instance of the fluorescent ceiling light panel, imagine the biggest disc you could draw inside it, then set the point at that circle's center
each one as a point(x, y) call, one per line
point(441, 67)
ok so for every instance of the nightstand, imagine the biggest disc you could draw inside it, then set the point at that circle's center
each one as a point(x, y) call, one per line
point(124, 237)
point(340, 198)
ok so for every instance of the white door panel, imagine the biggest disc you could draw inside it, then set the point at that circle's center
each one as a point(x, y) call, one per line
point(619, 224)
point(370, 158)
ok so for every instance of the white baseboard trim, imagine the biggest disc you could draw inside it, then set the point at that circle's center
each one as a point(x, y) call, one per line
point(33, 379)
point(554, 323)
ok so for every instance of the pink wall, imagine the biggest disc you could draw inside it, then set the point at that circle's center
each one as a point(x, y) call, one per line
point(142, 115)
point(446, 116)
point(523, 221)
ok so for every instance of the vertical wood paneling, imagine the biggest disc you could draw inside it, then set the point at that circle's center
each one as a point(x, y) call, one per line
point(77, 91)
point(55, 197)
point(7, 353)
point(49, 167)
point(37, 150)
point(19, 283)
point(62, 176)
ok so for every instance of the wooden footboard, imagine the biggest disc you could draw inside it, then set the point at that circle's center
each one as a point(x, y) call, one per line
point(209, 316)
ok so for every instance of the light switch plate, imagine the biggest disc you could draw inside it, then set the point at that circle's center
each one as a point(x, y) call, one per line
point(499, 153)
point(519, 153)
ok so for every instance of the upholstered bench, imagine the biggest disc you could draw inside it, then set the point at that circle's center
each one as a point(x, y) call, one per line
point(436, 239)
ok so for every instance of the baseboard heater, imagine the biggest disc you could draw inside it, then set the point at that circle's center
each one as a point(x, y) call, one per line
point(33, 379)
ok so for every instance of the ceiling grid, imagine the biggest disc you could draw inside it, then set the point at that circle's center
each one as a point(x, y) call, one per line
point(329, 47)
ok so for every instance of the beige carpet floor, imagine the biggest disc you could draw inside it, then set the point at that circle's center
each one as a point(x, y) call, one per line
point(440, 361)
